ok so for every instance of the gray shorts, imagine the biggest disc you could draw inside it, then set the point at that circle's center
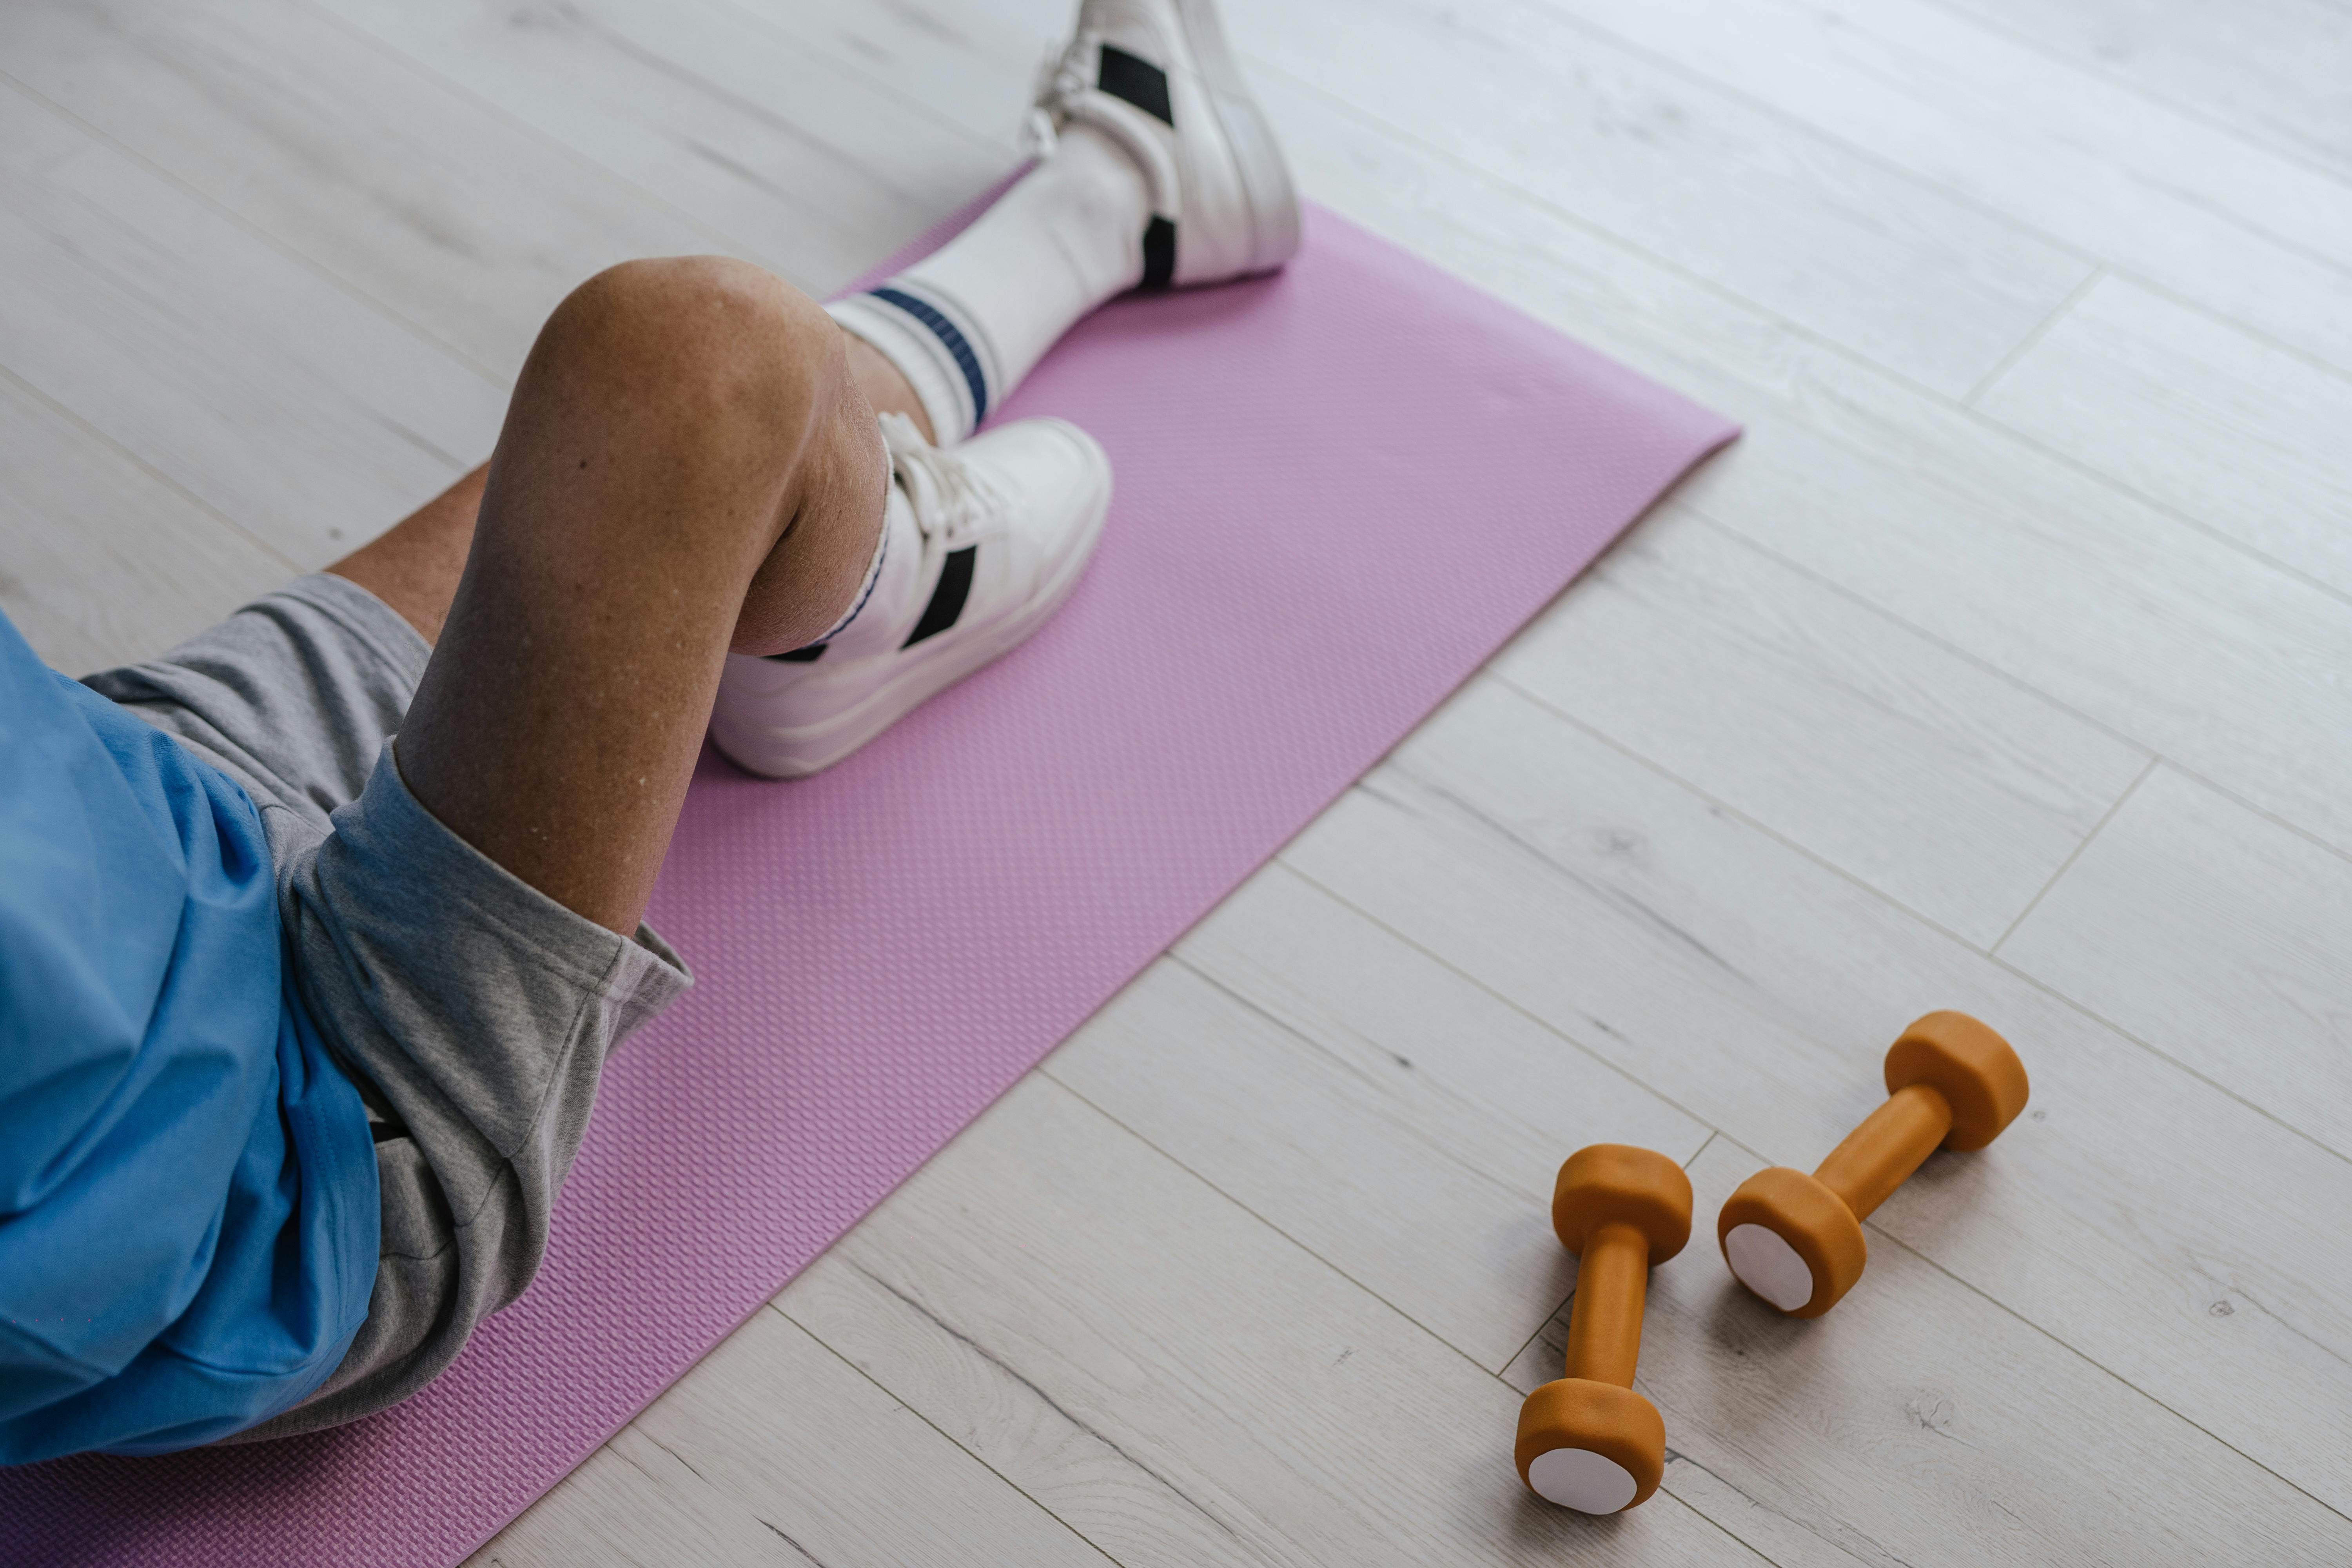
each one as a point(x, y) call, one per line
point(473, 1012)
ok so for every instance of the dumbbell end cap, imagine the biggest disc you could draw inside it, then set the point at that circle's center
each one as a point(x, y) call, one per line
point(1591, 1446)
point(1967, 1063)
point(1765, 1263)
point(1791, 1241)
point(1620, 1183)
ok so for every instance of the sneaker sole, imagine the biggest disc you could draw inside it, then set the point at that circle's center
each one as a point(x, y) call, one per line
point(794, 752)
point(1266, 178)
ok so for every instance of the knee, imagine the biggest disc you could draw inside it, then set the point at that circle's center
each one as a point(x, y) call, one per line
point(706, 342)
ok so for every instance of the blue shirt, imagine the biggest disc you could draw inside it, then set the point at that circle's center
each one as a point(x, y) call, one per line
point(188, 1205)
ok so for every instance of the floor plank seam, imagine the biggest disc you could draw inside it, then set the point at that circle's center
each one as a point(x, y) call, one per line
point(1880, 1232)
point(2032, 340)
point(1046, 1070)
point(2333, 851)
point(1674, 1454)
point(2074, 854)
point(1257, 1009)
point(1528, 1344)
point(2341, 370)
point(2170, 1059)
point(687, 1464)
point(2159, 505)
point(1547, 1024)
point(1092, 1545)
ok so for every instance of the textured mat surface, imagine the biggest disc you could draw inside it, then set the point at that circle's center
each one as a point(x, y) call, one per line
point(1337, 491)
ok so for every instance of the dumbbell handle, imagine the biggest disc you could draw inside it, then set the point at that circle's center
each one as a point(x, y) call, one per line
point(1879, 1155)
point(1604, 1323)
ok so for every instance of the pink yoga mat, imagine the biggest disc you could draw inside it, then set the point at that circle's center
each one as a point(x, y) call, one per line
point(1339, 491)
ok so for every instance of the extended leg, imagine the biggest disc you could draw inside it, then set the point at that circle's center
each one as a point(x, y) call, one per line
point(1162, 172)
point(687, 469)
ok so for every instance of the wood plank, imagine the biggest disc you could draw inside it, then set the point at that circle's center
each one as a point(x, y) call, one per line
point(2220, 937)
point(2058, 579)
point(1759, 990)
point(2005, 127)
point(1404, 1125)
point(1910, 768)
point(411, 193)
point(2188, 411)
point(1891, 268)
point(795, 151)
point(975, 65)
point(1920, 1423)
point(2271, 69)
point(631, 1504)
point(1175, 1380)
point(101, 562)
point(773, 1434)
point(305, 416)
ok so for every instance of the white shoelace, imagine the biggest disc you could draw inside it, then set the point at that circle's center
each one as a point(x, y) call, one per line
point(1067, 93)
point(1061, 79)
point(950, 498)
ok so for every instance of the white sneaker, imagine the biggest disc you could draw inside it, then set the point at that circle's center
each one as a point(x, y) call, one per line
point(1157, 77)
point(981, 541)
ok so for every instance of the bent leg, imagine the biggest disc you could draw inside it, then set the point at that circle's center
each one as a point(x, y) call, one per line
point(687, 469)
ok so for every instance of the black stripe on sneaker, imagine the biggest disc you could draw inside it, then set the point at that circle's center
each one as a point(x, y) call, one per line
point(808, 655)
point(1158, 252)
point(947, 599)
point(1139, 81)
point(959, 348)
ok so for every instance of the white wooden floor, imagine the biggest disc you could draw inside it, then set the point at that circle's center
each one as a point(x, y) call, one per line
point(2006, 665)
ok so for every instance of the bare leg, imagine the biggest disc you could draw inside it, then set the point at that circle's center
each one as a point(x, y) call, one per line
point(688, 466)
point(415, 566)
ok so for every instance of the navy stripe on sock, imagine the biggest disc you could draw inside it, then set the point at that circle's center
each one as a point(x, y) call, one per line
point(945, 331)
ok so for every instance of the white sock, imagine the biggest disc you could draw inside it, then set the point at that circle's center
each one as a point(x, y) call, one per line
point(966, 323)
point(875, 569)
point(886, 607)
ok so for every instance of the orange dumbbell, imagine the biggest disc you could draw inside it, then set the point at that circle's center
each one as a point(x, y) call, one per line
point(1796, 1240)
point(1588, 1441)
